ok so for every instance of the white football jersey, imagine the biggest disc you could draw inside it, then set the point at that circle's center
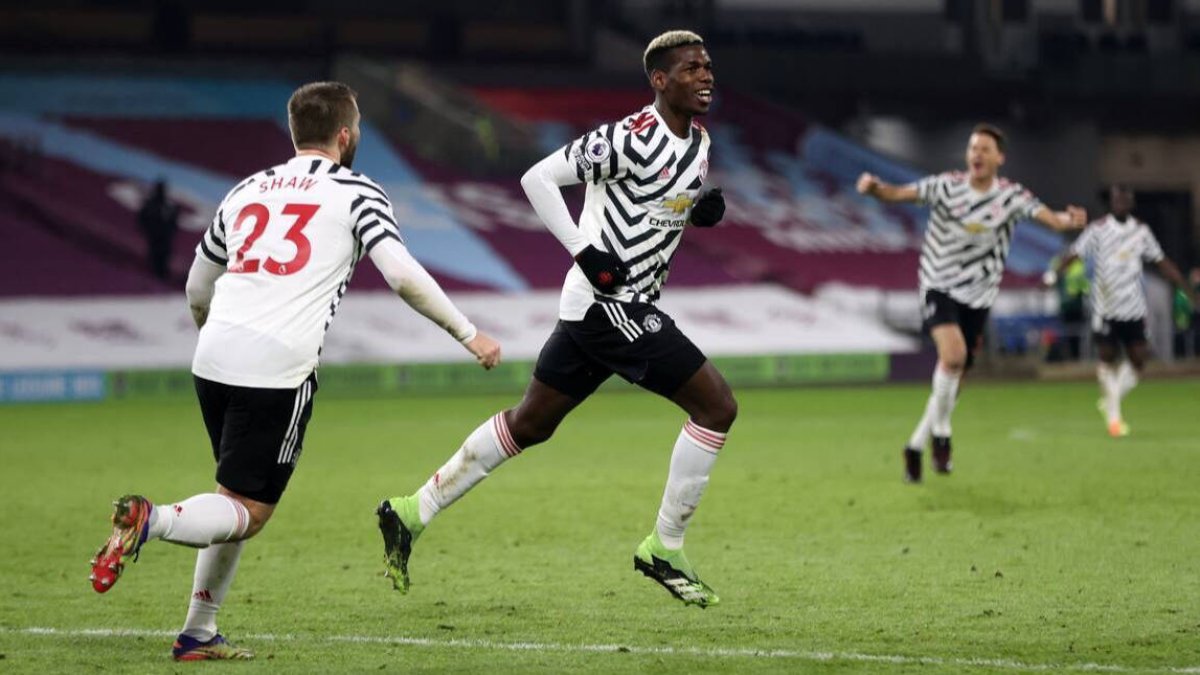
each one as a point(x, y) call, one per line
point(1117, 251)
point(968, 235)
point(289, 238)
point(641, 181)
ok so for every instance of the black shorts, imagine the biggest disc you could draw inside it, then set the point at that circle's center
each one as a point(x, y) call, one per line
point(256, 434)
point(939, 309)
point(1113, 332)
point(637, 341)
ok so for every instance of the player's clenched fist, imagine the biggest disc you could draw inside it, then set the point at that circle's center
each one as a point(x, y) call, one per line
point(867, 183)
point(485, 349)
point(1076, 216)
point(604, 270)
point(709, 208)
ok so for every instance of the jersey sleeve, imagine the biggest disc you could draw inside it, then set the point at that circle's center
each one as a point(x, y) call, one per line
point(1025, 203)
point(929, 189)
point(596, 156)
point(1084, 245)
point(371, 214)
point(1151, 251)
point(212, 244)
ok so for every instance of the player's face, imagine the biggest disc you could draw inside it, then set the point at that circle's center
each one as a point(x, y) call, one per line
point(983, 157)
point(687, 86)
point(348, 140)
point(1120, 201)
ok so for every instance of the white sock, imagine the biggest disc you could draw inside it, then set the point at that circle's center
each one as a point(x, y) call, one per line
point(484, 450)
point(215, 567)
point(945, 396)
point(920, 435)
point(199, 521)
point(1108, 386)
point(1127, 379)
point(693, 458)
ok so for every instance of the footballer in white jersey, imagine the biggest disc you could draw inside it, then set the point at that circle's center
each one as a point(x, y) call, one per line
point(971, 219)
point(1117, 246)
point(264, 287)
point(645, 190)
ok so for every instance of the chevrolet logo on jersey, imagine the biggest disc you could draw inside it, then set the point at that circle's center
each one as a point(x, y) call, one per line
point(677, 204)
point(975, 228)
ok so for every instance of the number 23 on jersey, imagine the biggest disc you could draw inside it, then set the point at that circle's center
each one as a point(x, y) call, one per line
point(245, 263)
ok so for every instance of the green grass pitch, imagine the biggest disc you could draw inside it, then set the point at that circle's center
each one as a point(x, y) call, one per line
point(1052, 547)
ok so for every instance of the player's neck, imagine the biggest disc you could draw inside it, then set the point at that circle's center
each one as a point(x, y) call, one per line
point(319, 152)
point(679, 123)
point(982, 184)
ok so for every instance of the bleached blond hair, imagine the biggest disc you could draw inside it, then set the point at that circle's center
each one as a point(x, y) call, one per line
point(652, 58)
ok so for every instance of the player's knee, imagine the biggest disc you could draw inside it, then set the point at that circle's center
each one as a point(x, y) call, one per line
point(720, 414)
point(527, 429)
point(258, 520)
point(954, 361)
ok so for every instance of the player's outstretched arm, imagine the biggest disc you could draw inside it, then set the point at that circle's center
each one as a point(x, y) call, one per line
point(869, 184)
point(1070, 218)
point(413, 283)
point(1172, 274)
point(202, 279)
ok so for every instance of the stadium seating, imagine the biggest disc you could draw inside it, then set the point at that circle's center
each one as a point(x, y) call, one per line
point(793, 219)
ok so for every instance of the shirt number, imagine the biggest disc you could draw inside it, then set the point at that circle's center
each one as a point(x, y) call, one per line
point(302, 213)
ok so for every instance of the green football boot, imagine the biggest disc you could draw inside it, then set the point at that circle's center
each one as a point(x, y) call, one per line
point(400, 523)
point(672, 570)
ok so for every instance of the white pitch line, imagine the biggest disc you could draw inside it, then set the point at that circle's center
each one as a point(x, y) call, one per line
point(714, 652)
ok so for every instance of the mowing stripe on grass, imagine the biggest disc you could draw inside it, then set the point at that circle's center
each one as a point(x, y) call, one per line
point(712, 652)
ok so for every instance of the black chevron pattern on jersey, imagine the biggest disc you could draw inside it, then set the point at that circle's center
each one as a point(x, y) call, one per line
point(615, 229)
point(968, 235)
point(637, 158)
point(638, 200)
point(626, 214)
point(652, 175)
point(1117, 251)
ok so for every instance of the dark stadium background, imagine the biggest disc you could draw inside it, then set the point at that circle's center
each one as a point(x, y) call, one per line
point(468, 94)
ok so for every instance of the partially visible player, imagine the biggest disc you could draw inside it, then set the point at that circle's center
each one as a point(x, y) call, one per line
point(644, 176)
point(1117, 246)
point(971, 221)
point(268, 276)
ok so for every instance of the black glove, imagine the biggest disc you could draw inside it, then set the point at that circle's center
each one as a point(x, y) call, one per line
point(709, 208)
point(603, 269)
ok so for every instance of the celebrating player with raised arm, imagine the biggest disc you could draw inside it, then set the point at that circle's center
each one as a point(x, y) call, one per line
point(644, 176)
point(1117, 245)
point(971, 221)
point(267, 279)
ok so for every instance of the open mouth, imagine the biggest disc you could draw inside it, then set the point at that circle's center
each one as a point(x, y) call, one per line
point(704, 96)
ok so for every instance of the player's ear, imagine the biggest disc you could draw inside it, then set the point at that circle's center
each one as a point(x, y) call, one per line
point(658, 79)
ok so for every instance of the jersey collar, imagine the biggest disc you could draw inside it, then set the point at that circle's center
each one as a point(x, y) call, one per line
point(307, 160)
point(654, 109)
